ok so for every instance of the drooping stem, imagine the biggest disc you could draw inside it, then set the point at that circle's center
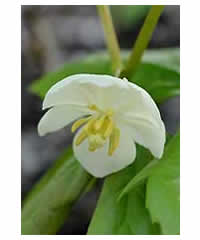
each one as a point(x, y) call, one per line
point(142, 41)
point(111, 39)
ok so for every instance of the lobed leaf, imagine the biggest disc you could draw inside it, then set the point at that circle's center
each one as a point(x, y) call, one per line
point(163, 189)
point(142, 175)
point(129, 216)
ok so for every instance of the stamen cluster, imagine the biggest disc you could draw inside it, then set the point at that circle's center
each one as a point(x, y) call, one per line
point(98, 128)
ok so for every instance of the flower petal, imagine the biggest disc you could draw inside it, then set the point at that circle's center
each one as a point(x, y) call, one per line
point(85, 89)
point(142, 117)
point(98, 163)
point(58, 117)
point(138, 101)
point(148, 132)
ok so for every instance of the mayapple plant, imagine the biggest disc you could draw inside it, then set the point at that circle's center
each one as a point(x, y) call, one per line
point(117, 114)
point(118, 134)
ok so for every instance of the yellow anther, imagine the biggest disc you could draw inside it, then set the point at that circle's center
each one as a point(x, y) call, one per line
point(89, 127)
point(79, 122)
point(82, 136)
point(114, 141)
point(109, 113)
point(98, 128)
point(93, 107)
point(98, 124)
point(108, 127)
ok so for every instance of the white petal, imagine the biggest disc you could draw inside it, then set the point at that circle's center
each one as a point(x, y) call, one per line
point(65, 91)
point(138, 101)
point(85, 89)
point(57, 118)
point(149, 133)
point(98, 163)
point(142, 117)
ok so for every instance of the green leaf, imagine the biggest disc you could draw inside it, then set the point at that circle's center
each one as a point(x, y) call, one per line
point(159, 82)
point(163, 189)
point(142, 175)
point(166, 57)
point(139, 178)
point(128, 216)
point(158, 74)
point(49, 203)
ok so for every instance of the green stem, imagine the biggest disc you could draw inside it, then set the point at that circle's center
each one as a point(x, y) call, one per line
point(142, 41)
point(111, 39)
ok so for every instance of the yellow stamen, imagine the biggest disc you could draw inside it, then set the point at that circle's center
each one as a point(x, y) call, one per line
point(109, 113)
point(108, 127)
point(89, 127)
point(93, 107)
point(82, 136)
point(99, 123)
point(114, 141)
point(98, 128)
point(79, 122)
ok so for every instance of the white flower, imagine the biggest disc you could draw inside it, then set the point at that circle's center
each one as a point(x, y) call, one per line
point(113, 114)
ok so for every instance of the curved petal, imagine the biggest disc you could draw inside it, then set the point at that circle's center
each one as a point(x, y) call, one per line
point(66, 91)
point(57, 118)
point(139, 102)
point(98, 163)
point(142, 117)
point(148, 132)
point(85, 89)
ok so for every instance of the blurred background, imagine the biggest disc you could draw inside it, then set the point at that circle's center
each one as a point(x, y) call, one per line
point(53, 35)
